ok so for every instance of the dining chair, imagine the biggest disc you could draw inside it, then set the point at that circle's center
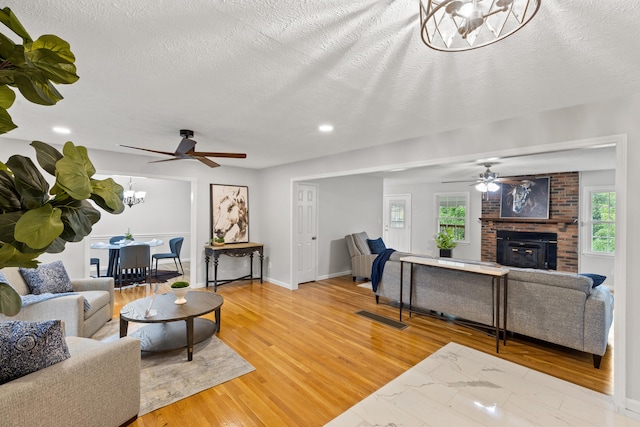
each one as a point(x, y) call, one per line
point(96, 262)
point(175, 245)
point(134, 264)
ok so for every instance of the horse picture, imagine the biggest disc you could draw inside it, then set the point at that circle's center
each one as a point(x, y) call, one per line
point(230, 213)
point(527, 199)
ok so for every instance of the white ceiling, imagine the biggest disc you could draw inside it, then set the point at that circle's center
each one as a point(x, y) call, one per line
point(259, 77)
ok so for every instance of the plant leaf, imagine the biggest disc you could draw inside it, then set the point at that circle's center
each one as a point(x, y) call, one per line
point(29, 182)
point(10, 301)
point(71, 173)
point(78, 218)
point(7, 97)
point(53, 57)
point(8, 18)
point(47, 156)
point(108, 195)
point(36, 88)
point(9, 197)
point(7, 226)
point(84, 157)
point(12, 257)
point(56, 246)
point(6, 124)
point(38, 228)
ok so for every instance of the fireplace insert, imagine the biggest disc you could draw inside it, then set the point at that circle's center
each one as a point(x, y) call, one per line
point(527, 249)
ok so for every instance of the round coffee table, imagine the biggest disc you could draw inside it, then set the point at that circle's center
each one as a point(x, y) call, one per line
point(164, 332)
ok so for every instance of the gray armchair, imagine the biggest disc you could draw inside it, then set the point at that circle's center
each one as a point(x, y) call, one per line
point(361, 256)
point(70, 308)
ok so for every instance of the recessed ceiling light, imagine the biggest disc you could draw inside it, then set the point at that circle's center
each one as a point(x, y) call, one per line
point(325, 128)
point(59, 129)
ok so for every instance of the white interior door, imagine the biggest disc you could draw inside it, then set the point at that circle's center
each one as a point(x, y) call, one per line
point(397, 222)
point(306, 242)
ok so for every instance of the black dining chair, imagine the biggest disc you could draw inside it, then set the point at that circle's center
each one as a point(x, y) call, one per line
point(135, 264)
point(175, 245)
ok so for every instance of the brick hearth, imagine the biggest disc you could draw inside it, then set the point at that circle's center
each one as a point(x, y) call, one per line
point(563, 205)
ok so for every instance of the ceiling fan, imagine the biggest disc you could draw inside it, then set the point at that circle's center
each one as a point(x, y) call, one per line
point(186, 150)
point(488, 180)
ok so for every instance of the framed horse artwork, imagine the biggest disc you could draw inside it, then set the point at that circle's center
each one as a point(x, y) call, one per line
point(528, 198)
point(230, 213)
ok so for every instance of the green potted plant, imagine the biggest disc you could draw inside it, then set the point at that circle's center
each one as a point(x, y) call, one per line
point(445, 242)
point(128, 236)
point(35, 218)
point(217, 241)
point(179, 290)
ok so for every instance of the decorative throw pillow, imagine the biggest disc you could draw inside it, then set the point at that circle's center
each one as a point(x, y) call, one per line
point(26, 347)
point(597, 278)
point(377, 246)
point(45, 278)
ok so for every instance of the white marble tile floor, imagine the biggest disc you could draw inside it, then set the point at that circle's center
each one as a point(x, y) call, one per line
point(460, 386)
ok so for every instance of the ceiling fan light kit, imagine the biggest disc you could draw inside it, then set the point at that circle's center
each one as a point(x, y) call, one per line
point(186, 150)
point(458, 25)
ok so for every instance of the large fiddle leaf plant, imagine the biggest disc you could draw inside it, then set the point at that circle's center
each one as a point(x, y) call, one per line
point(32, 67)
point(35, 218)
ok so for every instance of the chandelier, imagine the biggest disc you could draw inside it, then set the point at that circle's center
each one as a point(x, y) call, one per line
point(133, 197)
point(457, 25)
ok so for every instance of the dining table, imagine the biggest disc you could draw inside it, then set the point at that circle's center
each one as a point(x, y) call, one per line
point(112, 266)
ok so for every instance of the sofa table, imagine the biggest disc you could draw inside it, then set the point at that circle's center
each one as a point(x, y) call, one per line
point(233, 250)
point(498, 274)
point(165, 332)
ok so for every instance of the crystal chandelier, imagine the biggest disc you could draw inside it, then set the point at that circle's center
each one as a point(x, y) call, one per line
point(133, 197)
point(457, 25)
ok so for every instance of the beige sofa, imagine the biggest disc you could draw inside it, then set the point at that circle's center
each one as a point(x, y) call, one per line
point(70, 308)
point(99, 385)
point(561, 308)
point(361, 256)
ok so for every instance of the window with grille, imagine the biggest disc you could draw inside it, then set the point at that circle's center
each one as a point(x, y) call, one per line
point(453, 213)
point(601, 220)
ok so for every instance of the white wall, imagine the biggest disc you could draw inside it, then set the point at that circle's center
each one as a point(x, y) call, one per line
point(346, 205)
point(424, 220)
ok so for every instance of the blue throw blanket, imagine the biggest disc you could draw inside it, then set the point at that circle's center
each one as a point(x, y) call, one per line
point(378, 267)
point(32, 299)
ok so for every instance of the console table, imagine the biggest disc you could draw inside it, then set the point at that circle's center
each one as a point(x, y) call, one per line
point(498, 274)
point(233, 250)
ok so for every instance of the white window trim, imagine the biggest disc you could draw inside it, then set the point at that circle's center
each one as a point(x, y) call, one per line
point(587, 223)
point(466, 195)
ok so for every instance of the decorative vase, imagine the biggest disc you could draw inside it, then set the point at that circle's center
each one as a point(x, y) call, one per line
point(180, 293)
point(218, 243)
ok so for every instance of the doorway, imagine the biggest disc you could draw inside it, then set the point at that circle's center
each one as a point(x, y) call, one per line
point(306, 233)
point(397, 222)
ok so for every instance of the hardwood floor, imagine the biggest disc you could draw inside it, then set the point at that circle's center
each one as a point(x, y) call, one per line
point(315, 358)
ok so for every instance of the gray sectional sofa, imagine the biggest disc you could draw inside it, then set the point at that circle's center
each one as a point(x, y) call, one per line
point(561, 308)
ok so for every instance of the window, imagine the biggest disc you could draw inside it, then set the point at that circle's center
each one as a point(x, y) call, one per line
point(396, 214)
point(602, 221)
point(453, 213)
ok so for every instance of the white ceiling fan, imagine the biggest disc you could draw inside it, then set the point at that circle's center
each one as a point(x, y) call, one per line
point(488, 181)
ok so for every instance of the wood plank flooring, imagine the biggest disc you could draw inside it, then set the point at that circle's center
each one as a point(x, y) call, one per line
point(315, 358)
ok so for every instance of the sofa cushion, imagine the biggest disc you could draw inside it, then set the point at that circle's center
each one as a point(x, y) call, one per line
point(14, 278)
point(376, 246)
point(597, 278)
point(26, 347)
point(551, 278)
point(96, 300)
point(45, 278)
point(360, 239)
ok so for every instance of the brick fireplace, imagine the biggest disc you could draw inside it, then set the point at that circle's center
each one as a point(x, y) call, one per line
point(563, 214)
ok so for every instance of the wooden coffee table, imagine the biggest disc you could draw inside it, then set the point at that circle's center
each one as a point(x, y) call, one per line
point(164, 331)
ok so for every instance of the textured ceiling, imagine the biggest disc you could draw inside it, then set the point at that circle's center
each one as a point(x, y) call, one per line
point(259, 77)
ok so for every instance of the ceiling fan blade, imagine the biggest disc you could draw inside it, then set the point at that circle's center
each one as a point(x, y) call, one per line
point(227, 155)
point(147, 149)
point(165, 160)
point(206, 161)
point(185, 146)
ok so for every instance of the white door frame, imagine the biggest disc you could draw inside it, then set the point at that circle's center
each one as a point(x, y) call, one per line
point(294, 223)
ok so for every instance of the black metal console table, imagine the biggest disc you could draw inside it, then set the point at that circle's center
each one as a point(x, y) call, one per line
point(498, 274)
point(234, 250)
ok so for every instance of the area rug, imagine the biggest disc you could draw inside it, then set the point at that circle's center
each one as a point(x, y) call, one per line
point(164, 275)
point(168, 377)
